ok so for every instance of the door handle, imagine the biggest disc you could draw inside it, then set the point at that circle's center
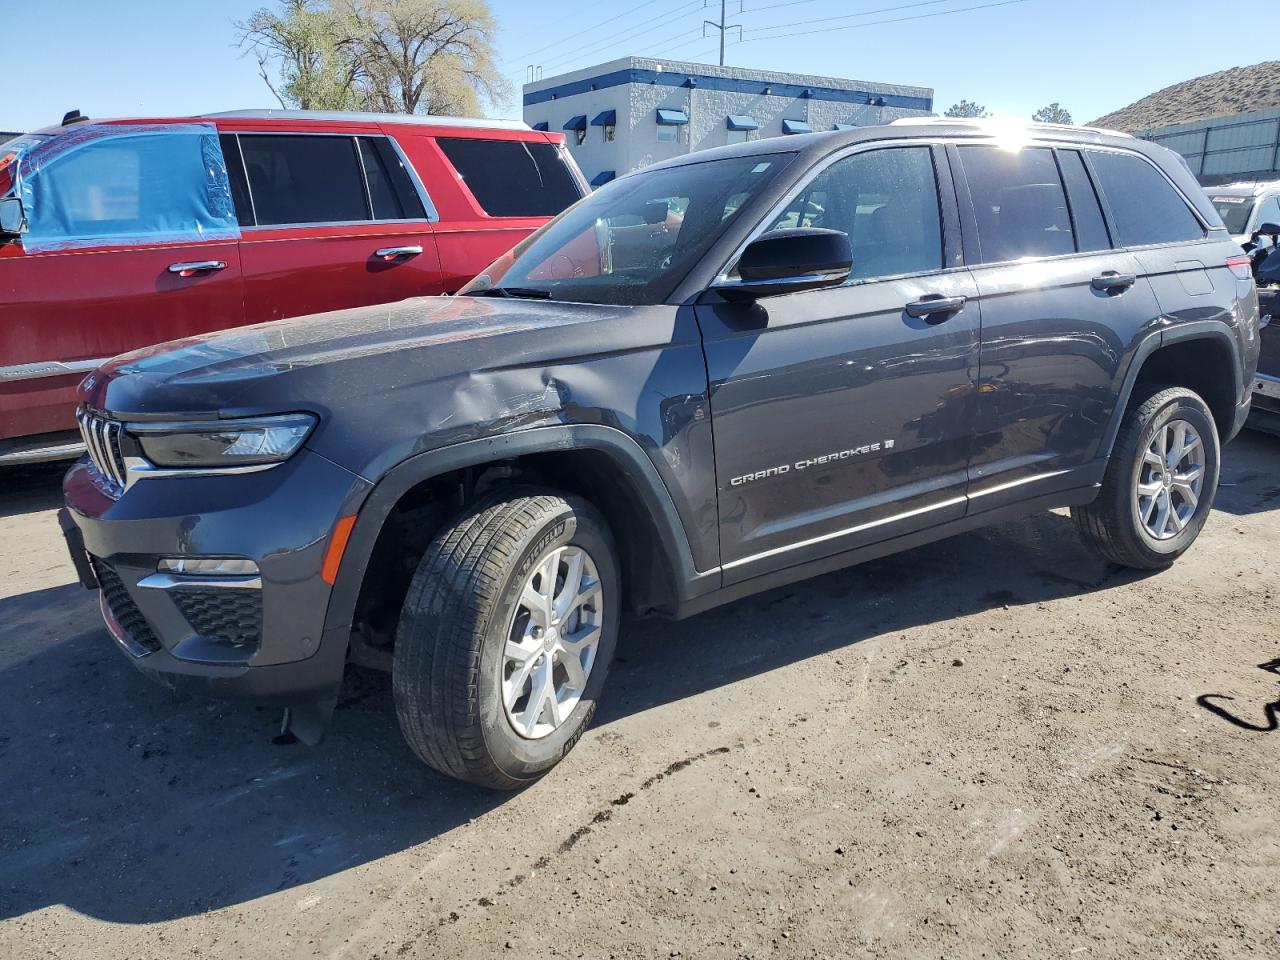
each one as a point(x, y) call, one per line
point(392, 253)
point(197, 266)
point(935, 308)
point(1111, 280)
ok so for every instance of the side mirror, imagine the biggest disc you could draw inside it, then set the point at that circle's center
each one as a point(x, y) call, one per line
point(1271, 230)
point(13, 220)
point(787, 261)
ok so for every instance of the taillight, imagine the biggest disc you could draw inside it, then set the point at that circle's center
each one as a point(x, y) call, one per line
point(1242, 267)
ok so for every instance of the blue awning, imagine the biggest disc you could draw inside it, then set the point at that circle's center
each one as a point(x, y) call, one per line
point(603, 177)
point(741, 123)
point(795, 126)
point(542, 125)
point(577, 123)
point(672, 118)
point(605, 118)
point(845, 126)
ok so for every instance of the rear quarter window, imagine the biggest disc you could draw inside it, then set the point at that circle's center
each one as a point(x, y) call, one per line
point(512, 178)
point(1144, 204)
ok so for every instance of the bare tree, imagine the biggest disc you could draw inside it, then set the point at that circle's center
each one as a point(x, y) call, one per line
point(425, 56)
point(1053, 113)
point(967, 110)
point(312, 50)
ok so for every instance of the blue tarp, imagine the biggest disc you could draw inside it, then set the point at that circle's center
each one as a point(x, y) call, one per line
point(605, 118)
point(672, 118)
point(126, 185)
point(795, 126)
point(741, 123)
point(603, 177)
point(577, 123)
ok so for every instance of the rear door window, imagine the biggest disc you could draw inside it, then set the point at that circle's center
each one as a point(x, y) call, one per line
point(390, 190)
point(512, 178)
point(886, 201)
point(1144, 204)
point(1019, 202)
point(301, 179)
point(1086, 214)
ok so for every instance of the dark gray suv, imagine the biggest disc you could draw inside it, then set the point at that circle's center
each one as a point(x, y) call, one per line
point(711, 377)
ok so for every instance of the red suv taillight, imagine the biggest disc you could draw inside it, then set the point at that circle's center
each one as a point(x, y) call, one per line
point(1241, 266)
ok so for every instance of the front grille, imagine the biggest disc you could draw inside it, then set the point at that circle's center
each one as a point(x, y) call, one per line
point(122, 606)
point(227, 614)
point(102, 439)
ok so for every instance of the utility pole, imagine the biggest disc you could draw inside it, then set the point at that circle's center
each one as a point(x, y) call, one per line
point(722, 26)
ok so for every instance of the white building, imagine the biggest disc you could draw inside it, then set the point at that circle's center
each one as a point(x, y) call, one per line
point(632, 112)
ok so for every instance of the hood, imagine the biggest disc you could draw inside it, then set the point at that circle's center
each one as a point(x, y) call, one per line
point(265, 366)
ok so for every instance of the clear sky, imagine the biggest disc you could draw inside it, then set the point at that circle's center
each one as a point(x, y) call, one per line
point(161, 57)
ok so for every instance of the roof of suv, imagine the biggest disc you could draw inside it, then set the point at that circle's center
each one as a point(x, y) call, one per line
point(813, 145)
point(310, 116)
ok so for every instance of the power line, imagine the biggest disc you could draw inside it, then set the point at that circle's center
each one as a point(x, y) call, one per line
point(875, 23)
point(722, 26)
point(626, 35)
point(578, 34)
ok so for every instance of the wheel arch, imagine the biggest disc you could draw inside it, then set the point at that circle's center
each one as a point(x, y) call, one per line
point(1201, 355)
point(655, 554)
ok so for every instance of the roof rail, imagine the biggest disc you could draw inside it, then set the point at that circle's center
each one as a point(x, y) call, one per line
point(355, 116)
point(1001, 123)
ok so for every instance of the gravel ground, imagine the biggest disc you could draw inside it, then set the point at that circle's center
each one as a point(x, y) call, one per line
point(993, 746)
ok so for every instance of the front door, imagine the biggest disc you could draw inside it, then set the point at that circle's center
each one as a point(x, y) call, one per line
point(843, 416)
point(112, 261)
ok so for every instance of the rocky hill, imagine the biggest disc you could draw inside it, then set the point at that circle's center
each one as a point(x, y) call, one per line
point(1237, 90)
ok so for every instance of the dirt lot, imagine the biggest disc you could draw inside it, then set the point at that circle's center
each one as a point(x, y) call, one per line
point(990, 747)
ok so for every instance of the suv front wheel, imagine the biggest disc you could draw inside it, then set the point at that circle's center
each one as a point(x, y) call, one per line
point(506, 636)
point(1159, 485)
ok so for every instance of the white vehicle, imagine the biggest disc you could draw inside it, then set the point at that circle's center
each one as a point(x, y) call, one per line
point(1244, 207)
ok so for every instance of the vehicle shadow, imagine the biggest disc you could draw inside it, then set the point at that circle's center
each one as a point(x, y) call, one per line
point(33, 487)
point(126, 804)
point(1250, 481)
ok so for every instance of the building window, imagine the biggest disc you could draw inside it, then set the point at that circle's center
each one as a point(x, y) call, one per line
point(669, 123)
point(610, 131)
point(580, 136)
point(738, 136)
point(607, 121)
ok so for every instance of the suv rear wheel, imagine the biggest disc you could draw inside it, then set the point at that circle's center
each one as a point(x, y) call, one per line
point(1159, 485)
point(506, 636)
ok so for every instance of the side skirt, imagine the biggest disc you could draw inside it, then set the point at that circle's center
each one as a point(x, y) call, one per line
point(814, 568)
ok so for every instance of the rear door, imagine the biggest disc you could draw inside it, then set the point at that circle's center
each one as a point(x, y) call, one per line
point(494, 190)
point(335, 220)
point(844, 416)
point(102, 269)
point(1060, 307)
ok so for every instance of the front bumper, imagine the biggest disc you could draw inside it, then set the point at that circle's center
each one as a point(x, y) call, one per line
point(262, 637)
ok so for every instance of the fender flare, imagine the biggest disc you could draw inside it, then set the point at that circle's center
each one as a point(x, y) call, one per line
point(625, 451)
point(1214, 330)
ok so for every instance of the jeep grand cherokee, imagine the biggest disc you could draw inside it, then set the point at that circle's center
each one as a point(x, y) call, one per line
point(713, 376)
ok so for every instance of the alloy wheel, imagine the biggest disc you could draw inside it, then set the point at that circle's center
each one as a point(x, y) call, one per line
point(552, 642)
point(1171, 479)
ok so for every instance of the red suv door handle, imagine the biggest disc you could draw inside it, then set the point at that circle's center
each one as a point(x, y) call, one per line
point(197, 266)
point(392, 253)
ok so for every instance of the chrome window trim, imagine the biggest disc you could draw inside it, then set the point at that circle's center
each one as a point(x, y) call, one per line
point(725, 274)
point(432, 215)
point(48, 368)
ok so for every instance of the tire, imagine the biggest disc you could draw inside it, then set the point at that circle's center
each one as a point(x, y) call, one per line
point(1119, 523)
point(451, 666)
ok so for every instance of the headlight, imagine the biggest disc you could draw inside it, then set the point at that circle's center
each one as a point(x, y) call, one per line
point(222, 443)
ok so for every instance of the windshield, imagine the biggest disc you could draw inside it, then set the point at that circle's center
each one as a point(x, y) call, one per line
point(1234, 212)
point(634, 240)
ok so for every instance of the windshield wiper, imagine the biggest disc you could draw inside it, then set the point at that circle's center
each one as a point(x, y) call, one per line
point(526, 293)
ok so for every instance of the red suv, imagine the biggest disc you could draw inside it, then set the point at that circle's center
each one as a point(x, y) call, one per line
point(124, 233)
